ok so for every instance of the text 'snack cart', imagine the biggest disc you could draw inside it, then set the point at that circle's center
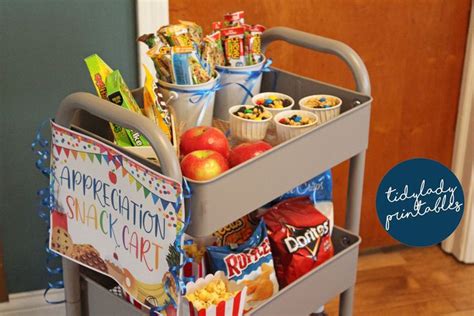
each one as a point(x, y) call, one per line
point(214, 203)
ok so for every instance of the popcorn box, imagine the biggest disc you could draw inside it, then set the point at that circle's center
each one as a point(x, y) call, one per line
point(234, 306)
point(195, 270)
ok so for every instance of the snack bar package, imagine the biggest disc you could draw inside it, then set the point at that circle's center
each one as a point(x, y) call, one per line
point(299, 237)
point(148, 39)
point(99, 71)
point(153, 108)
point(175, 35)
point(186, 68)
point(319, 190)
point(118, 93)
point(160, 54)
point(233, 38)
point(253, 44)
point(236, 232)
point(234, 19)
point(250, 263)
point(212, 52)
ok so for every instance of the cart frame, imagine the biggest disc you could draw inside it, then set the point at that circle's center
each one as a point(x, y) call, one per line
point(170, 164)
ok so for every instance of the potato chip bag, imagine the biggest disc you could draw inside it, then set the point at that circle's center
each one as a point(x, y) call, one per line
point(299, 236)
point(250, 263)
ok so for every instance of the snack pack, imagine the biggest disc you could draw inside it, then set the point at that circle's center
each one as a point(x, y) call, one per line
point(186, 68)
point(319, 190)
point(300, 238)
point(233, 38)
point(148, 39)
point(160, 54)
point(250, 263)
point(234, 19)
point(99, 71)
point(153, 107)
point(118, 93)
point(212, 52)
point(253, 44)
point(236, 232)
point(175, 35)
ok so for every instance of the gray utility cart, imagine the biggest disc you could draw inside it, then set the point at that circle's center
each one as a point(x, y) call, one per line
point(214, 203)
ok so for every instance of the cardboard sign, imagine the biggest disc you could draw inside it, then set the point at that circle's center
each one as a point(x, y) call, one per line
point(115, 215)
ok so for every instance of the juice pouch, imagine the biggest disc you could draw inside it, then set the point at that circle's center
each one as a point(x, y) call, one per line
point(253, 44)
point(152, 106)
point(187, 70)
point(118, 93)
point(234, 46)
point(99, 71)
point(234, 19)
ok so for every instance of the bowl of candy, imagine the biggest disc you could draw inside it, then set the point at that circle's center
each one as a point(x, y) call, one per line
point(274, 102)
point(292, 123)
point(249, 122)
point(325, 106)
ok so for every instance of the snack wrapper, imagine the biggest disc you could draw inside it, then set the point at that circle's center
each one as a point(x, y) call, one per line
point(318, 190)
point(99, 71)
point(236, 232)
point(118, 93)
point(153, 107)
point(212, 51)
point(194, 30)
point(233, 38)
point(300, 238)
point(186, 68)
point(160, 54)
point(250, 263)
point(253, 44)
point(175, 35)
point(148, 39)
point(234, 19)
point(228, 297)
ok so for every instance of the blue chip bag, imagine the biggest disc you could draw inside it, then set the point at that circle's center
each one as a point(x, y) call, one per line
point(250, 263)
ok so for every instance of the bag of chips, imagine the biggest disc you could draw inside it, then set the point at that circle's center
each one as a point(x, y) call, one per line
point(250, 263)
point(299, 236)
point(236, 232)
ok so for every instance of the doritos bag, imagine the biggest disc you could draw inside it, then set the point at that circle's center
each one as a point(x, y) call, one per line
point(250, 263)
point(299, 236)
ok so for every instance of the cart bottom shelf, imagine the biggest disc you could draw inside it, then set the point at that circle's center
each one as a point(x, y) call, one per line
point(300, 298)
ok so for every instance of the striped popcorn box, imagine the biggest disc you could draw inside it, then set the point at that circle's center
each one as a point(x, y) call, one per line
point(195, 270)
point(234, 306)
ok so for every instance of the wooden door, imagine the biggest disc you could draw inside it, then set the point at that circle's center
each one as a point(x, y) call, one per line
point(414, 52)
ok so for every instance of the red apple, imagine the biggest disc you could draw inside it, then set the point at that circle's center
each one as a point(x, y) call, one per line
point(203, 165)
point(246, 151)
point(204, 137)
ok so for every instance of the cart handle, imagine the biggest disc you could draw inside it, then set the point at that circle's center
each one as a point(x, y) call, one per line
point(324, 45)
point(125, 118)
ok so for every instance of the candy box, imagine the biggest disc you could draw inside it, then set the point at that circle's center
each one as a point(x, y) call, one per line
point(233, 305)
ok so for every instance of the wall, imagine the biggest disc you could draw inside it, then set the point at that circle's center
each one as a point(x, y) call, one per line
point(413, 50)
point(43, 44)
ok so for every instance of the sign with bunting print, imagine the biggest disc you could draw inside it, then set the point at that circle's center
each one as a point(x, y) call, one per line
point(116, 216)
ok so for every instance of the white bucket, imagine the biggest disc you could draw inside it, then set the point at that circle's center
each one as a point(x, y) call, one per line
point(189, 114)
point(234, 94)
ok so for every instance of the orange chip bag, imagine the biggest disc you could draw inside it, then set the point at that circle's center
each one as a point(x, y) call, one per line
point(236, 232)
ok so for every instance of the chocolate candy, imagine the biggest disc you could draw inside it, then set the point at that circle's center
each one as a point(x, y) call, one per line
point(254, 113)
point(296, 120)
point(274, 102)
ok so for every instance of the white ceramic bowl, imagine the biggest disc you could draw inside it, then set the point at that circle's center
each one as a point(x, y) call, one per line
point(324, 114)
point(265, 95)
point(285, 132)
point(247, 130)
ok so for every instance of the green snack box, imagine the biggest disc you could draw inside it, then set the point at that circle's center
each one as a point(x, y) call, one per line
point(99, 71)
point(118, 93)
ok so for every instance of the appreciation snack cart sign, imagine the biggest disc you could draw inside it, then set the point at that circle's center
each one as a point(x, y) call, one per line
point(115, 215)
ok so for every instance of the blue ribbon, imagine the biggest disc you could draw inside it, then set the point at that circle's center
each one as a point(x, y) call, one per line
point(176, 270)
point(41, 148)
point(250, 82)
